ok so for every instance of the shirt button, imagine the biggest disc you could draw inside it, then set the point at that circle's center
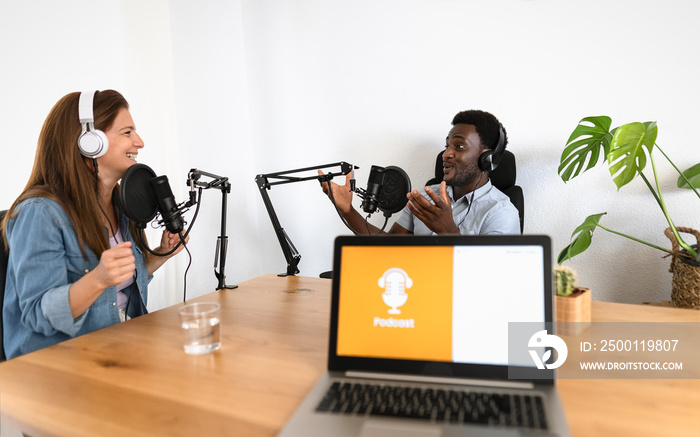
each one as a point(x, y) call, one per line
point(114, 304)
point(87, 271)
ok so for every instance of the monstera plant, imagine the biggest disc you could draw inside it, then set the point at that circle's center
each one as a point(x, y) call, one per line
point(627, 150)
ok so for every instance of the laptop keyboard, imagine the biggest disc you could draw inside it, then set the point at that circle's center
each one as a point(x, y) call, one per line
point(436, 405)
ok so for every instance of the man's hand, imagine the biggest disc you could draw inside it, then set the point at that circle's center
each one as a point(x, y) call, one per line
point(341, 193)
point(436, 215)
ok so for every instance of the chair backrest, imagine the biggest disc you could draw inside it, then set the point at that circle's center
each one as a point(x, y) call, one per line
point(503, 178)
point(3, 274)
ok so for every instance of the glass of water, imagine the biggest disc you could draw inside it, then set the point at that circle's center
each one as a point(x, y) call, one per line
point(201, 327)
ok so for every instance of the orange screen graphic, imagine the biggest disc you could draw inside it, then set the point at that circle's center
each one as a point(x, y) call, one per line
point(422, 328)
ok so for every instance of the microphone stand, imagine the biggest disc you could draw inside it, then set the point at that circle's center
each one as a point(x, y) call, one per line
point(220, 183)
point(263, 181)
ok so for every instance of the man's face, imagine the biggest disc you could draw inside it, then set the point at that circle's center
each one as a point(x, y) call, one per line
point(461, 156)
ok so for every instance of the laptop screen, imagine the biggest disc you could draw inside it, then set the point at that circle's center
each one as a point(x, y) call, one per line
point(443, 303)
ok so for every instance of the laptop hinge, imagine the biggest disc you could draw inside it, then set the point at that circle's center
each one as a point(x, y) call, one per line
point(439, 380)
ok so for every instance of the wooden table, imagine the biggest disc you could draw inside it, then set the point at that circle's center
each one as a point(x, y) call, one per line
point(633, 407)
point(134, 379)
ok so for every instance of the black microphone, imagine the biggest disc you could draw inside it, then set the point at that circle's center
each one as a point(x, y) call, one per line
point(166, 203)
point(374, 187)
point(142, 194)
point(387, 188)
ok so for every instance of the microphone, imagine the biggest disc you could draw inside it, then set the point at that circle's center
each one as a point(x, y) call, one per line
point(166, 202)
point(142, 194)
point(374, 186)
point(387, 188)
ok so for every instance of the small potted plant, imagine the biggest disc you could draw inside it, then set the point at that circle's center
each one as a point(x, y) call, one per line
point(627, 149)
point(573, 304)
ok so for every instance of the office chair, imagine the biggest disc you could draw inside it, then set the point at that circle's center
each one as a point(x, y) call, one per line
point(3, 274)
point(502, 178)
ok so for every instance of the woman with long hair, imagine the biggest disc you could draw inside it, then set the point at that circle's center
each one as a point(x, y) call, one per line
point(74, 265)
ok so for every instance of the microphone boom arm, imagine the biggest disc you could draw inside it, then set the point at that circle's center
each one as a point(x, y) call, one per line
point(266, 181)
point(220, 183)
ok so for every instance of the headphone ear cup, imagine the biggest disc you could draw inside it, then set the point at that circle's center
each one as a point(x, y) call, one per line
point(486, 161)
point(382, 281)
point(93, 144)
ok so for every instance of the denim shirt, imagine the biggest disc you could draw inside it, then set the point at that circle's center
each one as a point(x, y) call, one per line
point(491, 213)
point(44, 261)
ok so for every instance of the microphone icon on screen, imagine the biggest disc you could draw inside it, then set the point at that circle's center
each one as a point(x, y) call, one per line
point(395, 281)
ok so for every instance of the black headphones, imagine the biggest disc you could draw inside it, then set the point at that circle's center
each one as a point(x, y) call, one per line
point(92, 142)
point(489, 159)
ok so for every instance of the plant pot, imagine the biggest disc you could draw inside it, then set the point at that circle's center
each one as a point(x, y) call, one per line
point(573, 313)
point(685, 285)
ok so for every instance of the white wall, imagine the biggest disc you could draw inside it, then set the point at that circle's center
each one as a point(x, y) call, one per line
point(378, 82)
point(242, 87)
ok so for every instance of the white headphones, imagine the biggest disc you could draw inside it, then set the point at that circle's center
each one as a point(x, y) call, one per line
point(407, 281)
point(92, 142)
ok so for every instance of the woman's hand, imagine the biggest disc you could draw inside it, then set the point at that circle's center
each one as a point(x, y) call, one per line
point(168, 241)
point(116, 265)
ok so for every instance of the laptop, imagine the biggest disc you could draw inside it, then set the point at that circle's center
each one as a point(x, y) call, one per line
point(419, 340)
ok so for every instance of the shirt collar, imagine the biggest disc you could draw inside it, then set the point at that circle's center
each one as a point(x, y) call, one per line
point(481, 191)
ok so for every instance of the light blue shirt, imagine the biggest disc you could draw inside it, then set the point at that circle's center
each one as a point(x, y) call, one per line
point(491, 213)
point(44, 261)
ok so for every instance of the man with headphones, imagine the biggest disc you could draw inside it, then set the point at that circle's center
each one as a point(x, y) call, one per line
point(465, 202)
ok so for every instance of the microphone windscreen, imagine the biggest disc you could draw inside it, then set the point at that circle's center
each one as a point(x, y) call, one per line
point(395, 187)
point(136, 195)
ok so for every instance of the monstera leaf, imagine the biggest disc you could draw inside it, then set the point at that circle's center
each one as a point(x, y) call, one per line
point(692, 175)
point(581, 242)
point(626, 150)
point(628, 153)
point(584, 146)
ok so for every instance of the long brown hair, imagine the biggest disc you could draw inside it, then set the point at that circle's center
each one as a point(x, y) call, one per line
point(63, 174)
